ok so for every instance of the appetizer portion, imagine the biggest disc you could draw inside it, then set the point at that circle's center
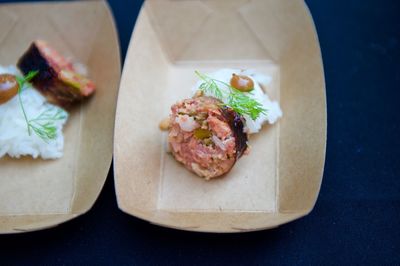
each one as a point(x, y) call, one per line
point(209, 132)
point(206, 136)
point(58, 79)
point(32, 115)
point(28, 124)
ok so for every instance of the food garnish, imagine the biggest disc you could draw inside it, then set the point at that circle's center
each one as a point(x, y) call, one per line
point(8, 87)
point(242, 83)
point(43, 125)
point(238, 100)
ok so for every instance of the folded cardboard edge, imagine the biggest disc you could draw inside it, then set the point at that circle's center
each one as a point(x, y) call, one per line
point(154, 216)
point(222, 222)
point(81, 203)
point(27, 223)
point(306, 181)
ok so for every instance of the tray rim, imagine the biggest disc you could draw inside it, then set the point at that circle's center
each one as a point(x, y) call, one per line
point(296, 214)
point(54, 220)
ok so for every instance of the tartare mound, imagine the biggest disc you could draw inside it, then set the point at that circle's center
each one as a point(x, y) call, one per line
point(206, 136)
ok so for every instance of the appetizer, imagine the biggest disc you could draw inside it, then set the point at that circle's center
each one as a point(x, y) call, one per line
point(32, 116)
point(58, 79)
point(206, 136)
point(208, 133)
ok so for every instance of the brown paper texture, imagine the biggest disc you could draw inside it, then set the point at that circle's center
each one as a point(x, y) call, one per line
point(280, 179)
point(184, 191)
point(35, 194)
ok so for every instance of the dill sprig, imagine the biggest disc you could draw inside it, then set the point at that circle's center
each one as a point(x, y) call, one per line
point(44, 124)
point(239, 101)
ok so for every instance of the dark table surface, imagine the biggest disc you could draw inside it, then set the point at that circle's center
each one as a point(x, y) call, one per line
point(357, 216)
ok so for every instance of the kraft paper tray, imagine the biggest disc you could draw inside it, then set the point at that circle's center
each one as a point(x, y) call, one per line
point(36, 194)
point(279, 180)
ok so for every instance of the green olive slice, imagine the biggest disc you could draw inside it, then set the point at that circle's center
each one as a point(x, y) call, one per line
point(201, 133)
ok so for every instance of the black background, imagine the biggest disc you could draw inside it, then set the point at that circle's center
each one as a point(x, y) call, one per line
point(356, 219)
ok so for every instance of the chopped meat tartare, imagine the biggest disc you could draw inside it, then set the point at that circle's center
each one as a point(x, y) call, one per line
point(206, 136)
